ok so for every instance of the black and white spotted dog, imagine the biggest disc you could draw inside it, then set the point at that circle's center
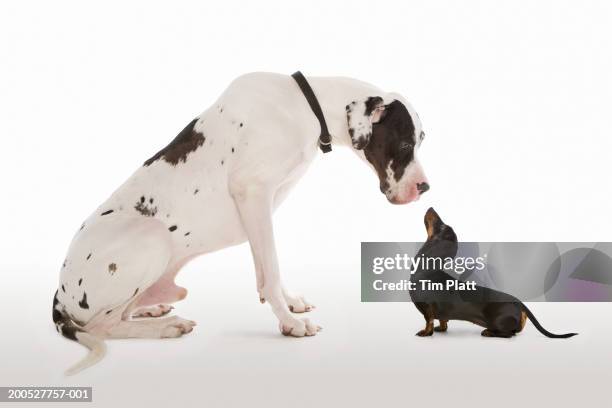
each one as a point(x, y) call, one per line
point(215, 185)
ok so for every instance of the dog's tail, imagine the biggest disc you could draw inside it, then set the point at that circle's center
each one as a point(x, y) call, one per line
point(67, 328)
point(542, 329)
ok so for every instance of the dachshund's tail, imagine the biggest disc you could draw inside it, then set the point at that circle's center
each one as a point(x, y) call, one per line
point(542, 329)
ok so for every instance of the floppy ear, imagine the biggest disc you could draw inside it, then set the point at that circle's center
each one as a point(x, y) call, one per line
point(361, 115)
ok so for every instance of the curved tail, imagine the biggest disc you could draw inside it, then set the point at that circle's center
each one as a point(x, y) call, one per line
point(67, 328)
point(542, 329)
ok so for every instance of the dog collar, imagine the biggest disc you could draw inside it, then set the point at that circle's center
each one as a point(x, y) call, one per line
point(324, 137)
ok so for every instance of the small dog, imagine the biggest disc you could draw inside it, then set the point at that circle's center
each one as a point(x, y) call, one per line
point(501, 315)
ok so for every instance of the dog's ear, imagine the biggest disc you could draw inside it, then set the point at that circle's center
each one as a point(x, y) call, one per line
point(360, 116)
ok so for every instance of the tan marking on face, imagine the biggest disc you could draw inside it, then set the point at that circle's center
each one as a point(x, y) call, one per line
point(429, 231)
point(430, 219)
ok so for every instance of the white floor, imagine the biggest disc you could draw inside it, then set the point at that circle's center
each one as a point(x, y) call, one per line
point(367, 354)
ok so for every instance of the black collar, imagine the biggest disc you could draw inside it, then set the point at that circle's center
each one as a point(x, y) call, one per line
point(325, 137)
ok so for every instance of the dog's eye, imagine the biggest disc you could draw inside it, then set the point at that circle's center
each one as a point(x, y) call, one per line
point(405, 146)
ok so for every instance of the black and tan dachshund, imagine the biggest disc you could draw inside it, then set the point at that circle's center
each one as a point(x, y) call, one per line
point(501, 315)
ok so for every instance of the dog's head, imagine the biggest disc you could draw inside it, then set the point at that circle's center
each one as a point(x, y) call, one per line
point(441, 238)
point(389, 136)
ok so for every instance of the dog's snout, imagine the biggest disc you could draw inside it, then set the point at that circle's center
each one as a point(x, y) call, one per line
point(422, 187)
point(384, 187)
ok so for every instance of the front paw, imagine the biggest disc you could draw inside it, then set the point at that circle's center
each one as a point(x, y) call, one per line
point(299, 328)
point(296, 303)
point(425, 333)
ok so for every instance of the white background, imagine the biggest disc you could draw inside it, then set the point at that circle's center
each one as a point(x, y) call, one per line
point(515, 101)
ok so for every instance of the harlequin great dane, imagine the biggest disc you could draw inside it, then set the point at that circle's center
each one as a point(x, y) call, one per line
point(216, 185)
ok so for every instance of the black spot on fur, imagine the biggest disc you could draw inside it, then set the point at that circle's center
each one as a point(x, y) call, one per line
point(135, 292)
point(222, 161)
point(187, 233)
point(80, 281)
point(196, 191)
point(233, 150)
point(63, 289)
point(83, 303)
point(151, 200)
point(63, 324)
point(172, 228)
point(89, 256)
point(82, 226)
point(56, 314)
point(187, 141)
point(112, 268)
point(240, 124)
point(108, 212)
point(64, 263)
point(371, 103)
point(148, 210)
point(109, 311)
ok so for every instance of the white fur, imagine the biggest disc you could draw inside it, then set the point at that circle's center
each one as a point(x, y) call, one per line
point(220, 198)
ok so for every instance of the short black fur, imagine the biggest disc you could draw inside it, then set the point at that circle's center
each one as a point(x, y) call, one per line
point(501, 314)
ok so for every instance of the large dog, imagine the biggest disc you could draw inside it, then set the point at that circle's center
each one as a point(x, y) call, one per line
point(216, 185)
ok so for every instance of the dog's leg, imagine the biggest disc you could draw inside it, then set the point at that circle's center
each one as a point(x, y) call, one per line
point(152, 311)
point(297, 303)
point(155, 301)
point(501, 323)
point(442, 327)
point(503, 320)
point(255, 207)
point(428, 314)
point(492, 333)
point(172, 326)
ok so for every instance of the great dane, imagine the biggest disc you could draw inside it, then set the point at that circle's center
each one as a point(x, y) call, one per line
point(215, 185)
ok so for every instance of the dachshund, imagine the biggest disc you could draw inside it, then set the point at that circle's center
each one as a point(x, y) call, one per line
point(501, 314)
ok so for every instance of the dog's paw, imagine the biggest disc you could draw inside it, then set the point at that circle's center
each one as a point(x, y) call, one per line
point(152, 311)
point(297, 304)
point(177, 327)
point(487, 333)
point(299, 328)
point(440, 329)
point(425, 333)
